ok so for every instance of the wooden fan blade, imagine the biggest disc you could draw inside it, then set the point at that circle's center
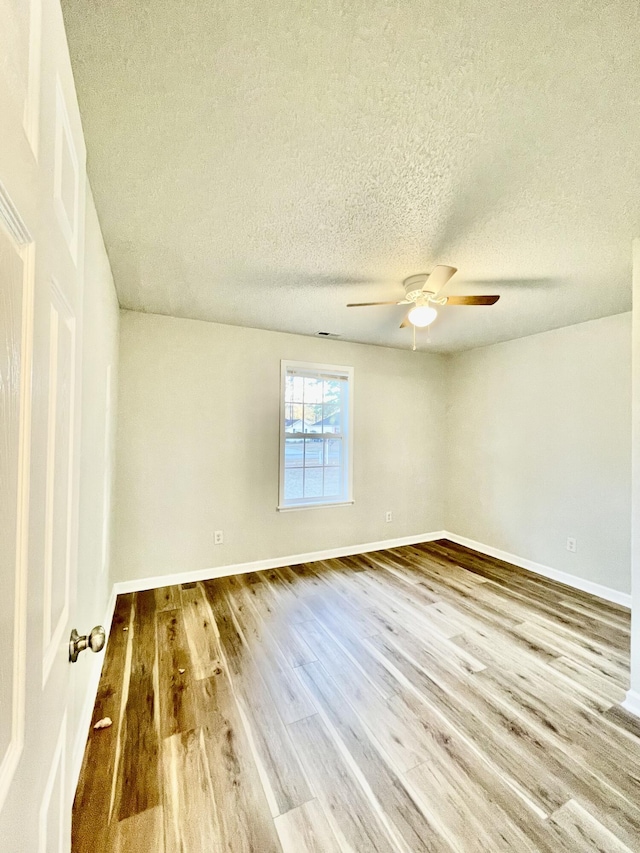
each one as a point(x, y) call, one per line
point(439, 277)
point(363, 304)
point(472, 300)
point(405, 322)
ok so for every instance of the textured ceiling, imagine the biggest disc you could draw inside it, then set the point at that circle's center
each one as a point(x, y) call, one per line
point(262, 164)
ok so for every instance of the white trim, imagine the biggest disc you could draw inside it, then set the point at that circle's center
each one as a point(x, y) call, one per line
point(52, 636)
point(9, 763)
point(57, 768)
point(86, 713)
point(108, 468)
point(68, 224)
point(274, 563)
point(31, 118)
point(574, 581)
point(632, 702)
point(295, 507)
point(13, 222)
point(54, 324)
point(590, 587)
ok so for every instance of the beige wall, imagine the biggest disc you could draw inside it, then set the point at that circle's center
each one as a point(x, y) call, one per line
point(99, 358)
point(539, 432)
point(198, 446)
point(517, 446)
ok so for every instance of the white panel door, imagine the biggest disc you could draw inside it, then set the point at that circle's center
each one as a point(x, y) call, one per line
point(42, 191)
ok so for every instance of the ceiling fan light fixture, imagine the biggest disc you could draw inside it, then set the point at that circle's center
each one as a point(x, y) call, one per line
point(422, 315)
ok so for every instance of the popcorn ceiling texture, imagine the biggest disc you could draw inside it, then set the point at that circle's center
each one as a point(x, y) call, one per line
point(262, 164)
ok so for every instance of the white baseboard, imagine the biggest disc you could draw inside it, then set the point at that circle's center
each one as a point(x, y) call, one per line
point(90, 699)
point(273, 563)
point(632, 702)
point(600, 591)
point(565, 578)
point(207, 574)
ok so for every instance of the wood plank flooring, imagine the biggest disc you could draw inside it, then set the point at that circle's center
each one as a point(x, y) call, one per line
point(425, 698)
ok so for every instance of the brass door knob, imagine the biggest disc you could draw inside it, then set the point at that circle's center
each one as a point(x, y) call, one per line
point(95, 641)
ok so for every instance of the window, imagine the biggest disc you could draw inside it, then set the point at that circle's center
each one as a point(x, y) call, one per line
point(315, 435)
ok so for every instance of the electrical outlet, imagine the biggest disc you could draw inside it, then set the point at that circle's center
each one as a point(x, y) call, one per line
point(218, 539)
point(571, 544)
point(388, 515)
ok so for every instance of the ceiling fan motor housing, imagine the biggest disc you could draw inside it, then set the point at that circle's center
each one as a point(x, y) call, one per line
point(413, 287)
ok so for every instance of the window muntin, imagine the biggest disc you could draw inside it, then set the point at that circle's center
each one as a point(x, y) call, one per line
point(315, 456)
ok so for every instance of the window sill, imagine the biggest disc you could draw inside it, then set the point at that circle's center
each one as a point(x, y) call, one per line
point(294, 508)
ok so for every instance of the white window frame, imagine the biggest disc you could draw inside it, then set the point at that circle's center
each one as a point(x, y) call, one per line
point(346, 496)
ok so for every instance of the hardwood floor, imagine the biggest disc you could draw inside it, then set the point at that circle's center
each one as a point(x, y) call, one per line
point(424, 698)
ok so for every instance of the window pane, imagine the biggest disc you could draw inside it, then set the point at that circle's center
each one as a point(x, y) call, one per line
point(293, 390)
point(332, 398)
point(313, 482)
point(332, 391)
point(332, 420)
point(313, 417)
point(332, 478)
point(314, 407)
point(333, 451)
point(293, 417)
point(313, 452)
point(293, 478)
point(312, 390)
point(294, 452)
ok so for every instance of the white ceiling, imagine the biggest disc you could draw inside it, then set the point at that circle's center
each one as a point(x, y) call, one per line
point(262, 164)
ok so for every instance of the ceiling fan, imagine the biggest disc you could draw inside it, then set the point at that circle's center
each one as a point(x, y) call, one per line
point(422, 291)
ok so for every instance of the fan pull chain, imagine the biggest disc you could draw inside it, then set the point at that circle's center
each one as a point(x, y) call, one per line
point(414, 339)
